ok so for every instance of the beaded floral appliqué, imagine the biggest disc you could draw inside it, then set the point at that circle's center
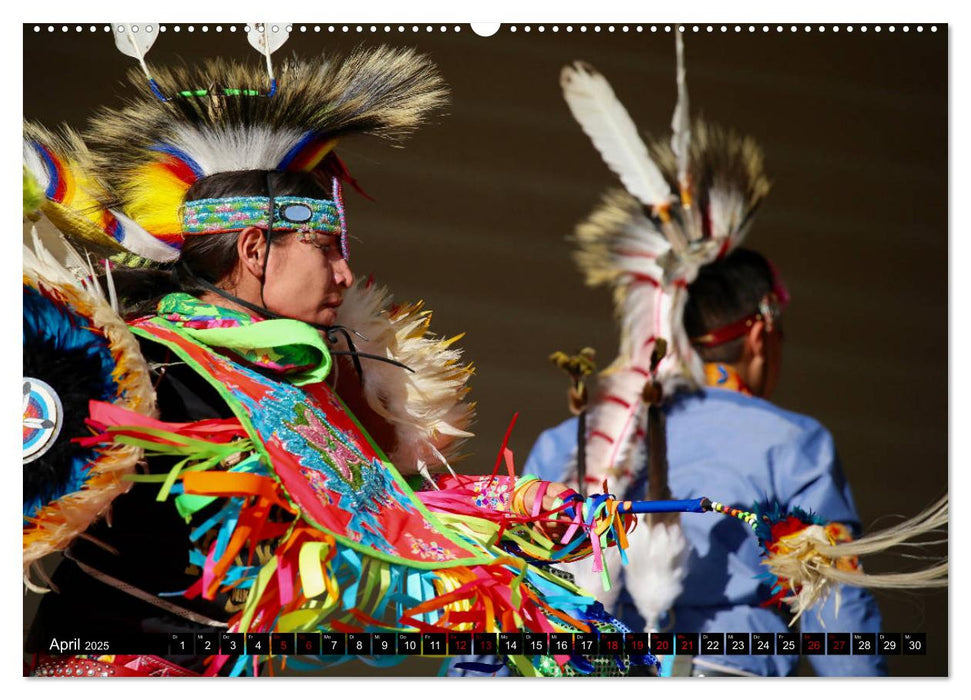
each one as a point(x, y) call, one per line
point(492, 494)
point(426, 550)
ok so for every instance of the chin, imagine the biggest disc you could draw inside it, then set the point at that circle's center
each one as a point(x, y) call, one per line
point(327, 317)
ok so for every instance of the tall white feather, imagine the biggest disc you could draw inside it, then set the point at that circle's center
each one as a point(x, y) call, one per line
point(604, 119)
point(680, 121)
point(267, 37)
point(135, 40)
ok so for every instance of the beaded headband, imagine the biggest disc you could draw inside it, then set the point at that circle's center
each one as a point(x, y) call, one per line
point(303, 214)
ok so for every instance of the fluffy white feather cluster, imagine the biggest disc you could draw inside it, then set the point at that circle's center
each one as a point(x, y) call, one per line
point(427, 407)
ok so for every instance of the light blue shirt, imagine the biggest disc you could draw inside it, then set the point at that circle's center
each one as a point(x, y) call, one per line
point(737, 450)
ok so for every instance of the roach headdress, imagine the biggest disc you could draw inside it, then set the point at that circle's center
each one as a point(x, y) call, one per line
point(189, 123)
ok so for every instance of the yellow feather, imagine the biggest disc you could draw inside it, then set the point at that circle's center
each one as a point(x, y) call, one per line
point(155, 200)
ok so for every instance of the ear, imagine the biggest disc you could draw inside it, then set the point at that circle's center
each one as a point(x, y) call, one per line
point(251, 247)
point(755, 340)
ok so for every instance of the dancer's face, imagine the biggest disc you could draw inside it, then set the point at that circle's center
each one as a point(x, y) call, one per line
point(306, 278)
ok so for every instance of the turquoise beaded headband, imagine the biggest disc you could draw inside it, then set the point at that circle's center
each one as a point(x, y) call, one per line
point(228, 214)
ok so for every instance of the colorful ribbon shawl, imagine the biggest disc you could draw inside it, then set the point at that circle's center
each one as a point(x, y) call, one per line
point(356, 550)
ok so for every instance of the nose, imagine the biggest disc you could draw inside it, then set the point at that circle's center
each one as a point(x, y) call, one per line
point(342, 274)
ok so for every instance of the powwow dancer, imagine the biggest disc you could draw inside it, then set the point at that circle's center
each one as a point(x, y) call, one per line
point(280, 492)
point(667, 244)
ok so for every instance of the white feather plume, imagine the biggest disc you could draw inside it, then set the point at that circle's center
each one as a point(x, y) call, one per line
point(427, 407)
point(657, 555)
point(235, 148)
point(609, 126)
point(135, 40)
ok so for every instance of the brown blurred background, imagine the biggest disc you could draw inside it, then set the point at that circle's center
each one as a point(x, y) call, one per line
point(472, 215)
